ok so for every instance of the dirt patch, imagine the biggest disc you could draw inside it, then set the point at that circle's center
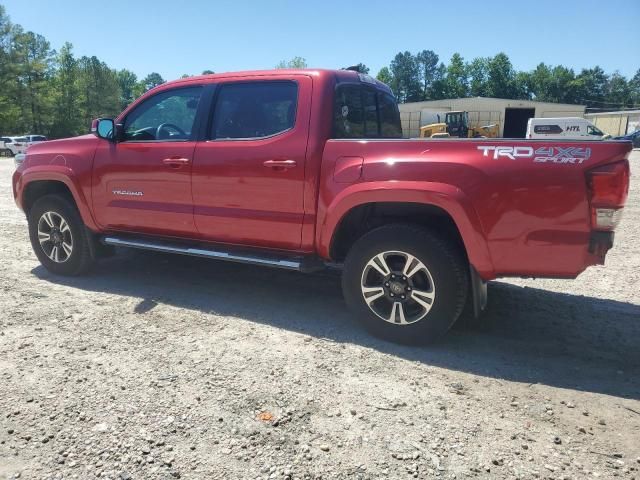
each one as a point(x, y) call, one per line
point(157, 367)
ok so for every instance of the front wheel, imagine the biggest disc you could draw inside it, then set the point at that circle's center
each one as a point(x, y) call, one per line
point(406, 283)
point(58, 236)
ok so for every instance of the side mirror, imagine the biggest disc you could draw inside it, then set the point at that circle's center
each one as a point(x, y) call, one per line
point(103, 128)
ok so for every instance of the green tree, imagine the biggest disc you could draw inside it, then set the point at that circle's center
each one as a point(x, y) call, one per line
point(152, 80)
point(428, 63)
point(34, 59)
point(540, 80)
point(99, 90)
point(618, 91)
point(295, 62)
point(384, 75)
point(438, 88)
point(208, 72)
point(634, 89)
point(501, 77)
point(406, 83)
point(593, 86)
point(478, 76)
point(9, 111)
point(456, 80)
point(522, 86)
point(564, 85)
point(66, 121)
point(129, 87)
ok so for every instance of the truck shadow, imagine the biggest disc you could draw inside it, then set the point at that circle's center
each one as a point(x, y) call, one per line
point(527, 335)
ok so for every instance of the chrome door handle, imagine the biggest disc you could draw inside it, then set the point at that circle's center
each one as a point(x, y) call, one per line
point(280, 164)
point(176, 162)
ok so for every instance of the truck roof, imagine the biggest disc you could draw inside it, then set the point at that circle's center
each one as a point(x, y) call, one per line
point(545, 119)
point(323, 74)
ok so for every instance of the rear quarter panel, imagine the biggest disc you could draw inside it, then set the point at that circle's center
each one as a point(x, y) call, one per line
point(520, 213)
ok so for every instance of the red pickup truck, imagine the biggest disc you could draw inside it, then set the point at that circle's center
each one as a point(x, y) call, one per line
point(300, 169)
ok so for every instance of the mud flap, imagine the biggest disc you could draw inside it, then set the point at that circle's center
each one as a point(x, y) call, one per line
point(478, 292)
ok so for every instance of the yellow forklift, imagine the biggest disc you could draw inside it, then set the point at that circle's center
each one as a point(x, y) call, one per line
point(456, 124)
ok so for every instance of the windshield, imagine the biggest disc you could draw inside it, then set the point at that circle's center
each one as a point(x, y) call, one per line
point(591, 130)
point(458, 118)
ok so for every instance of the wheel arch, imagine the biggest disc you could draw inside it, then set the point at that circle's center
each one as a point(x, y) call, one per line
point(435, 205)
point(34, 185)
point(39, 188)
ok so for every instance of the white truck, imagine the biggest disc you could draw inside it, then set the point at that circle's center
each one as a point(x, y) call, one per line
point(564, 128)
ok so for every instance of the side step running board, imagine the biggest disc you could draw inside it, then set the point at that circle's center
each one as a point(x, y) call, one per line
point(303, 264)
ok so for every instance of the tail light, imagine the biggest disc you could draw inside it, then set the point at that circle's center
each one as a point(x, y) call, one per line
point(608, 189)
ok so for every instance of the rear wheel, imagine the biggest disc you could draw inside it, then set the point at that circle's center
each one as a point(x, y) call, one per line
point(58, 236)
point(405, 283)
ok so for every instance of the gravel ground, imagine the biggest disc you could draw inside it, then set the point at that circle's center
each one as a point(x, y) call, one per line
point(160, 367)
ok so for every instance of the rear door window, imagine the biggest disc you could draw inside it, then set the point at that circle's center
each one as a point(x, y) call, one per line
point(254, 110)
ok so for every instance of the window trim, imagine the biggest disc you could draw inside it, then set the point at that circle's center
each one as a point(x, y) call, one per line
point(195, 129)
point(210, 121)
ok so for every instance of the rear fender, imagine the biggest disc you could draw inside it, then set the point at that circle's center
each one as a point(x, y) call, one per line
point(447, 197)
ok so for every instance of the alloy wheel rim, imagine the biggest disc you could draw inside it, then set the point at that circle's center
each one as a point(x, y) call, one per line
point(54, 235)
point(397, 287)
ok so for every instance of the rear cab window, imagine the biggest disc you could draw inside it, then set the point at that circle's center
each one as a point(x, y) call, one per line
point(363, 110)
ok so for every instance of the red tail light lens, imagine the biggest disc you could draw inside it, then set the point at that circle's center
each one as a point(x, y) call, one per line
point(608, 189)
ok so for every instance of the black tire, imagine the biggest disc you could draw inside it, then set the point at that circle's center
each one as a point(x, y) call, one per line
point(80, 259)
point(446, 275)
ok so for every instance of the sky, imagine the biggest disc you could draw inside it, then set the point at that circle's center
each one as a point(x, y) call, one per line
point(175, 37)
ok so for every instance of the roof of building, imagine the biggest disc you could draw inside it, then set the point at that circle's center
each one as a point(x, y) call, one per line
point(617, 112)
point(494, 100)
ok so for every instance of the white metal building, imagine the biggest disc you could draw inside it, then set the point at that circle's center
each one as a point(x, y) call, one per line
point(616, 123)
point(512, 115)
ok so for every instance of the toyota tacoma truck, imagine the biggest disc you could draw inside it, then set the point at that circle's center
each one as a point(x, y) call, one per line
point(304, 169)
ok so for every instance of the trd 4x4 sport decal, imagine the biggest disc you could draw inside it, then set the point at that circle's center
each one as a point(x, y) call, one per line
point(575, 155)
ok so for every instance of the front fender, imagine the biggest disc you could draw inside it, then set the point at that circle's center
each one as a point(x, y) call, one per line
point(56, 173)
point(447, 197)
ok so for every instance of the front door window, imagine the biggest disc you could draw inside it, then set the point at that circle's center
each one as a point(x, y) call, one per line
point(167, 117)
